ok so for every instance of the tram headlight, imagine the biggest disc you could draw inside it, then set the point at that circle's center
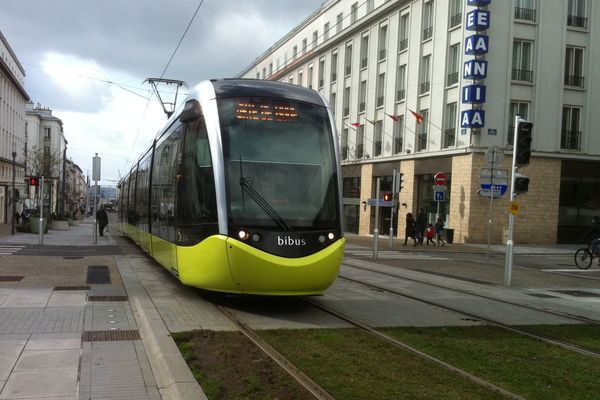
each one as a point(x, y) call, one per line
point(256, 237)
point(243, 235)
point(321, 239)
point(330, 236)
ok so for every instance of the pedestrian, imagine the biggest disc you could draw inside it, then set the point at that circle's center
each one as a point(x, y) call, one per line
point(592, 237)
point(439, 231)
point(17, 217)
point(409, 230)
point(102, 219)
point(421, 225)
point(430, 232)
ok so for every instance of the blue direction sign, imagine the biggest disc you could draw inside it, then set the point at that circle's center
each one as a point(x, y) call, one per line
point(439, 196)
point(497, 191)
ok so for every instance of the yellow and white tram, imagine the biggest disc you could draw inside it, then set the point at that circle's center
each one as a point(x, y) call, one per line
point(241, 191)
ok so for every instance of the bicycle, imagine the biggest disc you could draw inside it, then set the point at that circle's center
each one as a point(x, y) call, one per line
point(584, 257)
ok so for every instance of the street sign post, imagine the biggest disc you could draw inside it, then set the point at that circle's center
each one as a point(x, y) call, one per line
point(440, 179)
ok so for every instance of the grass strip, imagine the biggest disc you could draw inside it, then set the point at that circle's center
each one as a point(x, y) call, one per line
point(587, 336)
point(533, 369)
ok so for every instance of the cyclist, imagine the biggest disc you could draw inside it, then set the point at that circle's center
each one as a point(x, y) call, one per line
point(592, 236)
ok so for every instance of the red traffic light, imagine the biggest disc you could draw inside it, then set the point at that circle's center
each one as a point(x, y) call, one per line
point(34, 181)
point(388, 197)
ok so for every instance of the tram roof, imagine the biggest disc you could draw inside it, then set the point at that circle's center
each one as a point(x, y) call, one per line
point(261, 88)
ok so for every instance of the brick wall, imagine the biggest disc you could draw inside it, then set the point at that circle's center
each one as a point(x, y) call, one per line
point(366, 187)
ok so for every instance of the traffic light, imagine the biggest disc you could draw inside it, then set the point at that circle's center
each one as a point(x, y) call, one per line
point(388, 197)
point(400, 181)
point(521, 184)
point(34, 181)
point(523, 145)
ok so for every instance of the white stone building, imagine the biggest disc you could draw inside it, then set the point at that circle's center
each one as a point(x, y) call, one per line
point(12, 129)
point(378, 61)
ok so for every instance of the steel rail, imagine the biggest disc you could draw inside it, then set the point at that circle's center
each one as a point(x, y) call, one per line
point(467, 375)
point(314, 388)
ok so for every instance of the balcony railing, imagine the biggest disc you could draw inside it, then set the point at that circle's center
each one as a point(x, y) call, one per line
point(526, 14)
point(576, 21)
point(403, 44)
point(397, 145)
point(449, 137)
point(455, 20)
point(377, 148)
point(452, 78)
point(574, 80)
point(359, 152)
point(400, 94)
point(570, 140)
point(427, 33)
point(424, 87)
point(522, 75)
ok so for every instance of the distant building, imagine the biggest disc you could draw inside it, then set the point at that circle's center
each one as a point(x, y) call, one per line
point(427, 86)
point(12, 129)
point(75, 188)
point(45, 148)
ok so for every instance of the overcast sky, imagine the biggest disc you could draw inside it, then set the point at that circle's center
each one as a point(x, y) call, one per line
point(70, 48)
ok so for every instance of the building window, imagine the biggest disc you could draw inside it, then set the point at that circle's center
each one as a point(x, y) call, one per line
point(455, 13)
point(450, 125)
point(326, 31)
point(300, 81)
point(270, 69)
point(576, 14)
point(321, 73)
point(339, 22)
point(304, 45)
point(422, 131)
point(377, 138)
point(574, 67)
point(364, 51)
point(291, 79)
point(332, 98)
point(46, 133)
point(398, 133)
point(425, 85)
point(519, 108)
point(344, 143)
point(353, 13)
point(334, 60)
point(453, 64)
point(294, 52)
point(370, 5)
point(401, 83)
point(315, 38)
point(360, 140)
point(380, 89)
point(403, 32)
point(521, 62)
point(382, 42)
point(525, 10)
point(346, 101)
point(309, 77)
point(264, 73)
point(427, 20)
point(362, 96)
point(571, 132)
point(348, 59)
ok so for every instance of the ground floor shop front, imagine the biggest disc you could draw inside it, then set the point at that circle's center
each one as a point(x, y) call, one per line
point(563, 196)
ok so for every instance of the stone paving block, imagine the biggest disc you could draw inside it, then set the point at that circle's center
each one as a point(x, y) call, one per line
point(6, 366)
point(44, 360)
point(12, 345)
point(27, 298)
point(54, 341)
point(68, 298)
point(32, 384)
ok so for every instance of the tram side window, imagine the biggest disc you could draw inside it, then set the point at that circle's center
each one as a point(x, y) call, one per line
point(123, 200)
point(163, 185)
point(131, 217)
point(141, 197)
point(196, 197)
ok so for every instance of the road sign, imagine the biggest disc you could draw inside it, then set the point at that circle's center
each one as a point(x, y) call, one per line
point(439, 196)
point(382, 202)
point(440, 179)
point(494, 155)
point(515, 208)
point(497, 192)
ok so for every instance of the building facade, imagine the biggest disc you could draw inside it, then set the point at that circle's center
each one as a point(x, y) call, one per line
point(75, 189)
point(428, 86)
point(46, 150)
point(12, 130)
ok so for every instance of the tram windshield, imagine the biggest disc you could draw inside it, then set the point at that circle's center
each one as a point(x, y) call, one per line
point(280, 164)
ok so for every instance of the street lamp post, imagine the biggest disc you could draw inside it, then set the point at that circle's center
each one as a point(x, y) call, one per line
point(14, 200)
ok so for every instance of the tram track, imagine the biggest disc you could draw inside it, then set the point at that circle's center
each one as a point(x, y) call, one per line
point(543, 338)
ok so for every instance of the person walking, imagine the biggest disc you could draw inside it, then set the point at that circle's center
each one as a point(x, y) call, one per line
point(409, 230)
point(439, 231)
point(421, 225)
point(430, 232)
point(102, 219)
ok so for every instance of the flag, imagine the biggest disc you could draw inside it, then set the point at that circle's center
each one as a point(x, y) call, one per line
point(418, 116)
point(356, 124)
point(396, 118)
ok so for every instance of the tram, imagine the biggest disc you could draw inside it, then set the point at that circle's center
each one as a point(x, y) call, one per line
point(240, 192)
